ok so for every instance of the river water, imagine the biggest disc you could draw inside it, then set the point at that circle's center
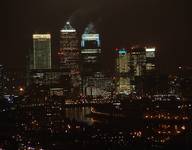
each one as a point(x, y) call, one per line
point(79, 114)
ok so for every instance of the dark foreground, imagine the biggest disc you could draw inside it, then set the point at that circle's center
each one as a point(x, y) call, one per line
point(60, 128)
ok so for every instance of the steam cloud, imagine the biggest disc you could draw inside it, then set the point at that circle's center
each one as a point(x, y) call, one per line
point(86, 19)
point(90, 29)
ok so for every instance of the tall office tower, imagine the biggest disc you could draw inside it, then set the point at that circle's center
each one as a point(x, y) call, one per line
point(41, 51)
point(138, 61)
point(90, 58)
point(69, 55)
point(90, 53)
point(123, 85)
point(150, 59)
point(138, 67)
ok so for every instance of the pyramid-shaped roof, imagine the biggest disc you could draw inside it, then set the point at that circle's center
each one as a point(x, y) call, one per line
point(68, 28)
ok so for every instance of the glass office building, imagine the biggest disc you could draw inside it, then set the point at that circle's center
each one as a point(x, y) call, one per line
point(41, 51)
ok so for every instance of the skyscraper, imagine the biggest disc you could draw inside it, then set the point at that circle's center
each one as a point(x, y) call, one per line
point(90, 58)
point(41, 51)
point(138, 61)
point(150, 59)
point(90, 52)
point(138, 67)
point(123, 85)
point(69, 55)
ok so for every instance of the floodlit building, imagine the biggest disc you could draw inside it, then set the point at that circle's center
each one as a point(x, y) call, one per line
point(41, 51)
point(69, 55)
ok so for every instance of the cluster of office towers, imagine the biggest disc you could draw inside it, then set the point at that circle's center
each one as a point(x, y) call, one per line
point(133, 65)
point(79, 68)
point(77, 60)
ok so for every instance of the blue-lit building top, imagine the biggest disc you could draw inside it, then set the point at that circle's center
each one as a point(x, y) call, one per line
point(123, 85)
point(122, 60)
point(122, 51)
point(90, 53)
point(90, 38)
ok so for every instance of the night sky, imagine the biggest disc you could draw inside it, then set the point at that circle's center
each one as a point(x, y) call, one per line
point(121, 23)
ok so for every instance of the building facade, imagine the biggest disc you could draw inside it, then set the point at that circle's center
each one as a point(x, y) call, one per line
point(97, 85)
point(41, 51)
point(69, 55)
point(90, 63)
point(52, 79)
point(132, 66)
point(90, 54)
point(150, 59)
point(123, 70)
point(138, 61)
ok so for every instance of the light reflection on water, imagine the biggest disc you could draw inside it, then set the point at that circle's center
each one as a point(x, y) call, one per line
point(79, 114)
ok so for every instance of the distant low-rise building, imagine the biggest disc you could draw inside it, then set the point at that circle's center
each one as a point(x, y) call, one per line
point(98, 85)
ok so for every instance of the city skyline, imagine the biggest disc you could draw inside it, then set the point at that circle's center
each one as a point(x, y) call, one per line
point(95, 74)
point(166, 25)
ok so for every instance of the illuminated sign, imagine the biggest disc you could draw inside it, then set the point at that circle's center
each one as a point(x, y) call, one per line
point(41, 36)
